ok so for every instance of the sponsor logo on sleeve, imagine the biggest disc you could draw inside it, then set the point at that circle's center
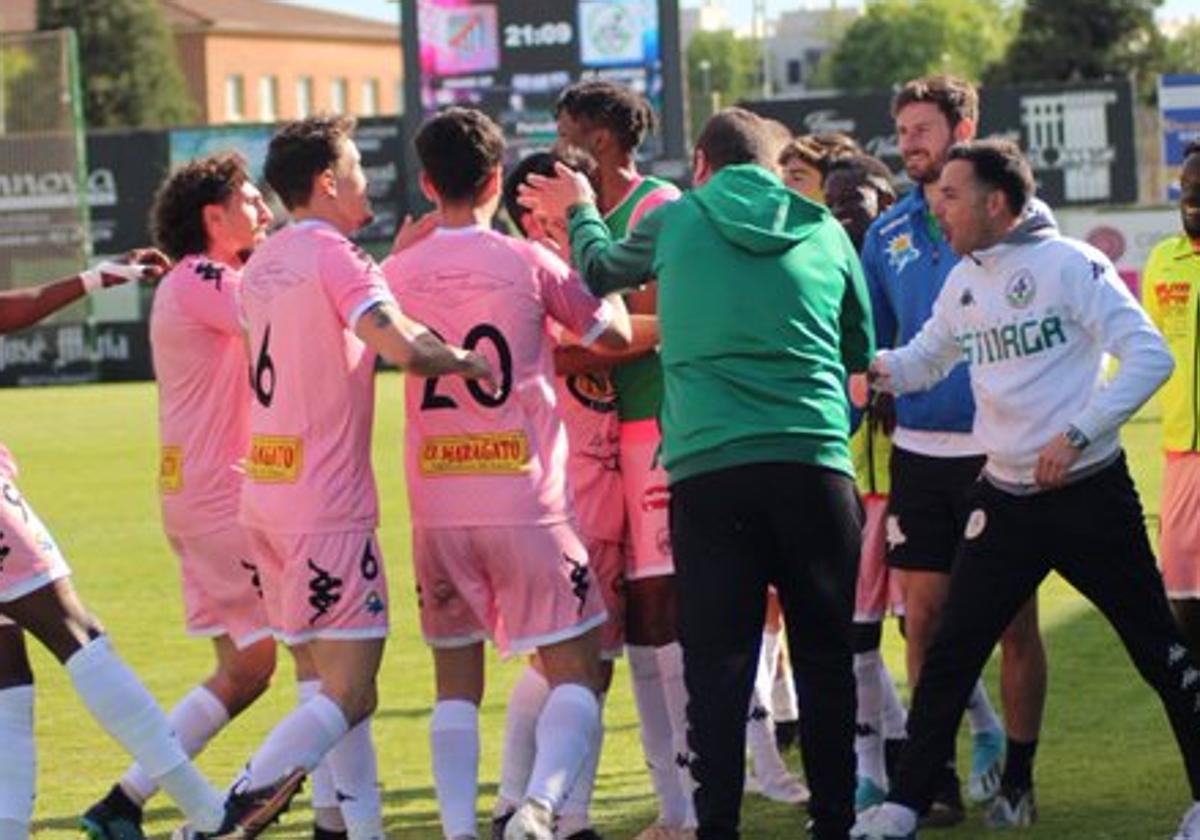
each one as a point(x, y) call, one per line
point(170, 470)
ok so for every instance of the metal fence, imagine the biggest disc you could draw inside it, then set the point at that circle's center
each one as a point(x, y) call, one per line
point(44, 230)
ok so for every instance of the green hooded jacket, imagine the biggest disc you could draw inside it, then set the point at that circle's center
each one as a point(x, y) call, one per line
point(763, 311)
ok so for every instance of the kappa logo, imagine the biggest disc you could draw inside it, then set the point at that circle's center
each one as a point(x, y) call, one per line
point(967, 298)
point(894, 533)
point(1020, 289)
point(325, 591)
point(901, 250)
point(255, 578)
point(580, 583)
point(976, 523)
point(210, 273)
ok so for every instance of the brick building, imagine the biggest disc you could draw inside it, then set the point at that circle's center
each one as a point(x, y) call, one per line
point(264, 61)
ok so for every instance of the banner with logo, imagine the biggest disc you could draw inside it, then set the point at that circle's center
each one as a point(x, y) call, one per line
point(1079, 137)
point(67, 353)
point(1125, 236)
point(1179, 116)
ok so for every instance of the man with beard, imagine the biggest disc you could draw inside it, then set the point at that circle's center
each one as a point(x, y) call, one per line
point(1034, 315)
point(936, 458)
point(1170, 289)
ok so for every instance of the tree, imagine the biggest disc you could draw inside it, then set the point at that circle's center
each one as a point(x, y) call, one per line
point(897, 40)
point(730, 74)
point(1183, 50)
point(1068, 40)
point(130, 70)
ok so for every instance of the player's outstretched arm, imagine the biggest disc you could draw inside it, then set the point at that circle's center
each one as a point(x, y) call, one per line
point(413, 348)
point(606, 266)
point(21, 308)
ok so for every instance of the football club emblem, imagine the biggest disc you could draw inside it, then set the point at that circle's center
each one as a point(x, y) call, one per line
point(976, 522)
point(1020, 289)
point(901, 250)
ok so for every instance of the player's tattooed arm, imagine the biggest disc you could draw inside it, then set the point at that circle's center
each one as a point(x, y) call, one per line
point(413, 348)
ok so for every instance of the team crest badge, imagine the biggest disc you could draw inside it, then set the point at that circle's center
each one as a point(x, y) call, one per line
point(976, 522)
point(901, 250)
point(1020, 289)
point(374, 604)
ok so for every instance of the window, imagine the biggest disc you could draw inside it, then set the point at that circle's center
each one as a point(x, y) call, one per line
point(304, 96)
point(795, 72)
point(399, 109)
point(235, 98)
point(268, 98)
point(369, 106)
point(338, 94)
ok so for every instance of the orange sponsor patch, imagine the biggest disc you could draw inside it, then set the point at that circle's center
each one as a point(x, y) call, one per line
point(275, 459)
point(170, 470)
point(492, 453)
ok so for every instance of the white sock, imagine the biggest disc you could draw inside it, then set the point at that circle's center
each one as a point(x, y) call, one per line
point(783, 694)
point(454, 742)
point(575, 813)
point(768, 655)
point(895, 717)
point(299, 740)
point(670, 665)
point(673, 807)
point(520, 737)
point(868, 727)
point(123, 706)
point(18, 770)
point(905, 818)
point(566, 732)
point(195, 719)
point(356, 781)
point(981, 715)
point(326, 812)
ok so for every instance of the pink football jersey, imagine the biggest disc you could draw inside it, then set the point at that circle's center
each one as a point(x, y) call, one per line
point(200, 365)
point(587, 404)
point(313, 385)
point(475, 458)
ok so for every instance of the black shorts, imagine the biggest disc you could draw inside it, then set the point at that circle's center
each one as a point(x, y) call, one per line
point(928, 508)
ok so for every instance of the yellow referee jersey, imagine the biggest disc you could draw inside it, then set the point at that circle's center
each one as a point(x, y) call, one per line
point(1170, 288)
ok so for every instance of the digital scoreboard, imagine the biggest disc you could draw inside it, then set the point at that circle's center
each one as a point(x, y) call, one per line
point(511, 59)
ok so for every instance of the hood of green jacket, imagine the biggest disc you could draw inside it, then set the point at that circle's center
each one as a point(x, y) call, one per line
point(754, 210)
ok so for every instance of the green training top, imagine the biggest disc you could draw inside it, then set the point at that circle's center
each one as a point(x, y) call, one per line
point(763, 311)
point(638, 382)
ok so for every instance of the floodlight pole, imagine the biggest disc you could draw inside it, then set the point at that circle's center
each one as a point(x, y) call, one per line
point(760, 28)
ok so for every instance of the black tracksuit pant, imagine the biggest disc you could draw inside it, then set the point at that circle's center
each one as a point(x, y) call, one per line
point(1092, 533)
point(733, 532)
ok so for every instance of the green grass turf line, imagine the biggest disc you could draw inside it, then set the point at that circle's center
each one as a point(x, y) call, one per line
point(1107, 767)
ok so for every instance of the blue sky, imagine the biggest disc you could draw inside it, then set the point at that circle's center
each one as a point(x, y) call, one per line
point(739, 10)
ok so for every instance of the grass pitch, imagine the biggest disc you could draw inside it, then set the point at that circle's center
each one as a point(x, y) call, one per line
point(1107, 767)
